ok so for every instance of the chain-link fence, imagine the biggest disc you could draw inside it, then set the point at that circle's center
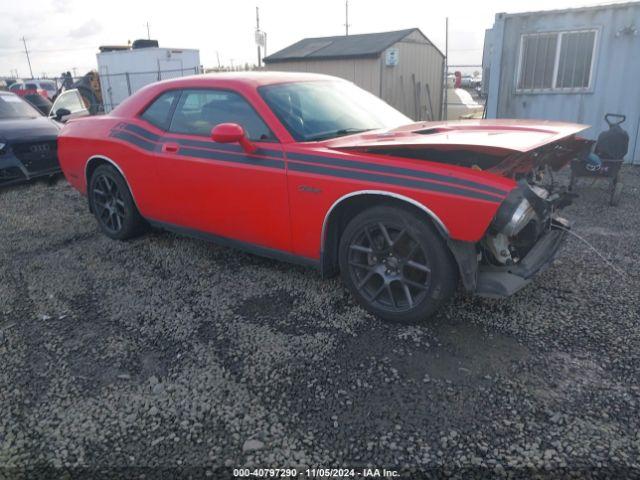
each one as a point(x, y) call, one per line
point(103, 92)
point(116, 87)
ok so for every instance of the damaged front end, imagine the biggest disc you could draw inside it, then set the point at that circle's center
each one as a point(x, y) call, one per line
point(526, 231)
point(523, 240)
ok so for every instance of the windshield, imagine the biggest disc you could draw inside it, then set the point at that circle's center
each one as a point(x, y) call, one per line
point(319, 110)
point(12, 106)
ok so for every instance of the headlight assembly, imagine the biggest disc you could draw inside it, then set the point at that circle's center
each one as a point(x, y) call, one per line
point(522, 215)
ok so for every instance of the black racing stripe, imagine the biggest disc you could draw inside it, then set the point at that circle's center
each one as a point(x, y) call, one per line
point(205, 154)
point(373, 167)
point(137, 141)
point(143, 132)
point(225, 157)
point(402, 182)
point(226, 147)
point(197, 143)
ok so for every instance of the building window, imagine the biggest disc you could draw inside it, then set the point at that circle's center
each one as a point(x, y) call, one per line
point(557, 61)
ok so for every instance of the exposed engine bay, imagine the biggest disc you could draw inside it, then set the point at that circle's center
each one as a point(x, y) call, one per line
point(530, 211)
point(522, 240)
point(496, 160)
point(527, 230)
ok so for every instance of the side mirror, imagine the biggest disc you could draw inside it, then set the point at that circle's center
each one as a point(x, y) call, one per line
point(62, 112)
point(232, 133)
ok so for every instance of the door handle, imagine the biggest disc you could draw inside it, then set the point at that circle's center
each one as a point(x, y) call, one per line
point(170, 147)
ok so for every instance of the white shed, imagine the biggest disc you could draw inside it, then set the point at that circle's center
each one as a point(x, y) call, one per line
point(123, 72)
point(403, 67)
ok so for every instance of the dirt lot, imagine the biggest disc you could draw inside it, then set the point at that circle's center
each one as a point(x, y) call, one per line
point(171, 355)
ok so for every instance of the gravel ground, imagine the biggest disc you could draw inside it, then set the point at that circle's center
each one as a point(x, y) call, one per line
point(167, 356)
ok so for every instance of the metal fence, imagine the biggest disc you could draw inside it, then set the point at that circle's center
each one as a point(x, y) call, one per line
point(113, 88)
point(118, 86)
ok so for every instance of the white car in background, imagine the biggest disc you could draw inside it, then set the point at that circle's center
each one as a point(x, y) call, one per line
point(46, 88)
point(461, 104)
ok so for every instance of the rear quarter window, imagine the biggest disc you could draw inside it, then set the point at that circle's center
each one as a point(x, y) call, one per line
point(158, 113)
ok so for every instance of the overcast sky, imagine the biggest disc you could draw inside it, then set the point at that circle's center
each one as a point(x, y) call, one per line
point(62, 34)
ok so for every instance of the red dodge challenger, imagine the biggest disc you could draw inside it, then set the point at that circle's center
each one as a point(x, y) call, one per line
point(312, 169)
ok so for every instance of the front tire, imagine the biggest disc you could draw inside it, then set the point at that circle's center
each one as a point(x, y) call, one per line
point(396, 264)
point(113, 205)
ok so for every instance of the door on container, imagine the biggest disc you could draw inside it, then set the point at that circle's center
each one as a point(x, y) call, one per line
point(219, 188)
point(170, 68)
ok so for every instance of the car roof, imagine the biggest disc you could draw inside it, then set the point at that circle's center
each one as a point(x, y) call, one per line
point(240, 81)
point(253, 79)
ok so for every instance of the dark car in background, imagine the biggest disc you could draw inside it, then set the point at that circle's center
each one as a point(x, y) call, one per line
point(41, 103)
point(28, 141)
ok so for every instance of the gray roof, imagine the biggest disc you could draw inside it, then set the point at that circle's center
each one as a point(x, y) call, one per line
point(363, 45)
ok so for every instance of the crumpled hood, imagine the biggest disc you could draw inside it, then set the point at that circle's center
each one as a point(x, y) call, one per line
point(27, 129)
point(485, 135)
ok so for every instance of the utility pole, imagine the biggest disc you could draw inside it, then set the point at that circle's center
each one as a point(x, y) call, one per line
point(346, 17)
point(257, 35)
point(26, 50)
point(148, 34)
point(446, 67)
point(218, 57)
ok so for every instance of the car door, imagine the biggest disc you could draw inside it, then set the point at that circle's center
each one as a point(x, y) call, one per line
point(220, 189)
point(71, 101)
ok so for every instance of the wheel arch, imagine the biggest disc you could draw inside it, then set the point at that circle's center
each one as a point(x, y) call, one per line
point(349, 205)
point(94, 162)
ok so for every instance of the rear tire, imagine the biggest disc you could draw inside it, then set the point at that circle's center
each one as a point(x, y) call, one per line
point(396, 264)
point(112, 204)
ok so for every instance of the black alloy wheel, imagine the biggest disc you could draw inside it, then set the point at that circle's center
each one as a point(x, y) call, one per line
point(396, 265)
point(390, 268)
point(113, 205)
point(108, 203)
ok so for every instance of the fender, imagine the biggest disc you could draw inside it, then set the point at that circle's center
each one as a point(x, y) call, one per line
point(438, 222)
point(104, 158)
point(325, 261)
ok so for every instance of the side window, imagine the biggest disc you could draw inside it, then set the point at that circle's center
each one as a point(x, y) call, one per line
point(31, 86)
point(198, 111)
point(158, 112)
point(70, 100)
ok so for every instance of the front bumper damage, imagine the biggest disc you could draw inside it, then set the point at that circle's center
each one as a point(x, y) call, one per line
point(503, 281)
point(523, 240)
